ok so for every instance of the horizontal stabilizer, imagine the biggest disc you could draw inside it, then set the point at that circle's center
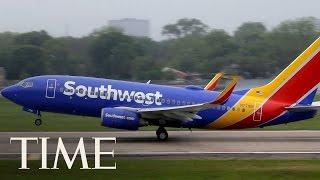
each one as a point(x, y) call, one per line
point(303, 108)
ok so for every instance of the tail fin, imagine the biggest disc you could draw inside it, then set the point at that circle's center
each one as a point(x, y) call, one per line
point(297, 81)
point(296, 84)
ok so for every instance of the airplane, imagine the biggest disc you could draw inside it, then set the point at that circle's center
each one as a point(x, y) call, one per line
point(130, 105)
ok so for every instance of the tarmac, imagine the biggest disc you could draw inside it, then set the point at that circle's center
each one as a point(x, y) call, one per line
point(180, 145)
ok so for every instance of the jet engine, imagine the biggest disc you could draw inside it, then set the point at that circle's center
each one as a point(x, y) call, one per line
point(121, 119)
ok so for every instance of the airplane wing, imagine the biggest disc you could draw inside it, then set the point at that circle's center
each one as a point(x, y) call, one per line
point(187, 112)
point(313, 106)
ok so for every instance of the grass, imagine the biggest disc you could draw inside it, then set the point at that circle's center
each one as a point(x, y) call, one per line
point(172, 169)
point(12, 118)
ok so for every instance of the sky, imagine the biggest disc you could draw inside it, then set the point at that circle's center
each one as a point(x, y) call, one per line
point(80, 17)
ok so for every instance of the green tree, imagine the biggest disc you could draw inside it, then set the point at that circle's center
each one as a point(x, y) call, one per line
point(113, 54)
point(7, 39)
point(253, 51)
point(186, 54)
point(219, 45)
point(105, 30)
point(250, 32)
point(185, 27)
point(68, 55)
point(25, 61)
point(290, 38)
point(32, 38)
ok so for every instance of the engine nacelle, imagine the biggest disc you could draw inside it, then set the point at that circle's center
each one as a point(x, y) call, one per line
point(120, 119)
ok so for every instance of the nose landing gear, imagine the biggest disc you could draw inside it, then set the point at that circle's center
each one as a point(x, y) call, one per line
point(38, 121)
point(162, 134)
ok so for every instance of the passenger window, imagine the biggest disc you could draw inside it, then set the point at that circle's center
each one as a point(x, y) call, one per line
point(173, 101)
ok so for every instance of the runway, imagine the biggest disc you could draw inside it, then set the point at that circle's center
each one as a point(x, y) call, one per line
point(181, 144)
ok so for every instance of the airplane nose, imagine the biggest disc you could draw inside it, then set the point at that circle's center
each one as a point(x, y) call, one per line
point(4, 92)
point(8, 92)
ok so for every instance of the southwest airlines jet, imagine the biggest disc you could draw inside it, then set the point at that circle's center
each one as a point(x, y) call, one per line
point(130, 105)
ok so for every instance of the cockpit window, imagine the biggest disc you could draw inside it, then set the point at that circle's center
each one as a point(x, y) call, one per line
point(25, 84)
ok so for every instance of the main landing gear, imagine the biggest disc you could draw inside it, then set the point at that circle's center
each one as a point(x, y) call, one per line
point(162, 134)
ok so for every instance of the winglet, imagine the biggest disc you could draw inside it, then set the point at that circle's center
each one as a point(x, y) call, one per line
point(225, 94)
point(214, 82)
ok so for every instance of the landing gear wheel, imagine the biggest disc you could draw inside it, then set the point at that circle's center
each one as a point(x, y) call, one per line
point(38, 122)
point(162, 134)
